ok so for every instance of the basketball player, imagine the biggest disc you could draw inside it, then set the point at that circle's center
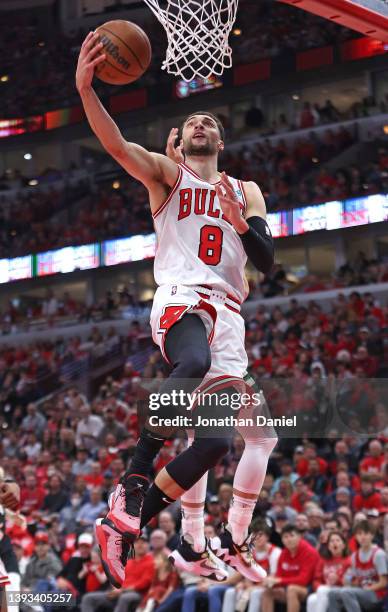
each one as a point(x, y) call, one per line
point(206, 224)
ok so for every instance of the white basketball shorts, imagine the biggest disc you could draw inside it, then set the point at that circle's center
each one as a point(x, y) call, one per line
point(220, 313)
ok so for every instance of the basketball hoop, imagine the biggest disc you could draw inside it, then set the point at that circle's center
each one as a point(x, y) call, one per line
point(197, 35)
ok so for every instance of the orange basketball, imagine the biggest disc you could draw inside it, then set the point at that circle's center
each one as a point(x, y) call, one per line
point(127, 49)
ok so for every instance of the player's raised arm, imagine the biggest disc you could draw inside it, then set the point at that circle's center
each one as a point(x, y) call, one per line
point(149, 168)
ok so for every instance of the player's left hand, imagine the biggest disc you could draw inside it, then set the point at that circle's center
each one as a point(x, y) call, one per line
point(174, 152)
point(230, 204)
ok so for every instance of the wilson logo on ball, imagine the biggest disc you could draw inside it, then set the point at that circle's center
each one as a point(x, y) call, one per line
point(113, 50)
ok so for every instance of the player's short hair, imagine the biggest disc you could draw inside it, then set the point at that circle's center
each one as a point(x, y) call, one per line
point(200, 112)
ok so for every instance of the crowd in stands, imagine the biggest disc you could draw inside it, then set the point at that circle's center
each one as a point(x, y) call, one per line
point(41, 71)
point(37, 313)
point(324, 503)
point(289, 173)
point(361, 271)
point(312, 115)
point(277, 31)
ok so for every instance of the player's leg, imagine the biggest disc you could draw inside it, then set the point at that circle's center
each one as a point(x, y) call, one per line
point(188, 351)
point(177, 480)
point(192, 509)
point(234, 545)
point(194, 548)
point(252, 468)
point(183, 472)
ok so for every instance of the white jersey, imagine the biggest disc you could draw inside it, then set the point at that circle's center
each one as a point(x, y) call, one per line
point(196, 245)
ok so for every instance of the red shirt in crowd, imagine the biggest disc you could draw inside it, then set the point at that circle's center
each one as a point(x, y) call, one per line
point(93, 481)
point(160, 586)
point(92, 582)
point(298, 500)
point(31, 499)
point(298, 568)
point(361, 501)
point(372, 464)
point(303, 465)
point(139, 573)
point(325, 567)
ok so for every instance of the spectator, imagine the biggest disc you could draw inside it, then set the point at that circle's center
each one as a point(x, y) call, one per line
point(72, 579)
point(43, 564)
point(303, 526)
point(111, 426)
point(68, 514)
point(280, 506)
point(90, 511)
point(368, 497)
point(372, 464)
point(139, 573)
point(367, 578)
point(164, 583)
point(286, 468)
point(296, 567)
point(33, 422)
point(33, 447)
point(214, 515)
point(206, 591)
point(56, 498)
point(265, 554)
point(83, 465)
point(94, 478)
point(93, 572)
point(329, 572)
point(166, 524)
point(158, 543)
point(31, 495)
point(315, 517)
point(88, 429)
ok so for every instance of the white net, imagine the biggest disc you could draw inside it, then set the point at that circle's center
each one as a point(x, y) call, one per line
point(197, 35)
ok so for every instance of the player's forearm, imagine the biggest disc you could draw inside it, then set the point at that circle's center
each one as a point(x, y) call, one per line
point(101, 122)
point(258, 243)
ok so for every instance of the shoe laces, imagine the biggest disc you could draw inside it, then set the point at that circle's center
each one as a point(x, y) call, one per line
point(246, 549)
point(206, 555)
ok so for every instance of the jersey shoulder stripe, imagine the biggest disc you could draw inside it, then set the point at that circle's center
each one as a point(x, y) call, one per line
point(173, 190)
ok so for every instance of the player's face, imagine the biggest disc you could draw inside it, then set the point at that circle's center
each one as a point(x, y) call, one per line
point(201, 136)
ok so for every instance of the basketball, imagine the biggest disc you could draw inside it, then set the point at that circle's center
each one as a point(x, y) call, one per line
point(127, 49)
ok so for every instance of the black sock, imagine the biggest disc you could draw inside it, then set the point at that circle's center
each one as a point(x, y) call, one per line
point(146, 450)
point(155, 501)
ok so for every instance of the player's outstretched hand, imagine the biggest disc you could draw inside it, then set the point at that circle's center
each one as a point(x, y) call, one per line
point(173, 152)
point(90, 56)
point(229, 203)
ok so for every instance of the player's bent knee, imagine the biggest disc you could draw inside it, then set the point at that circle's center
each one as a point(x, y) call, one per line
point(213, 449)
point(195, 461)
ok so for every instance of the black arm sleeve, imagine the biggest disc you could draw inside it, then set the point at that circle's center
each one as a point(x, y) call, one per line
point(258, 244)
